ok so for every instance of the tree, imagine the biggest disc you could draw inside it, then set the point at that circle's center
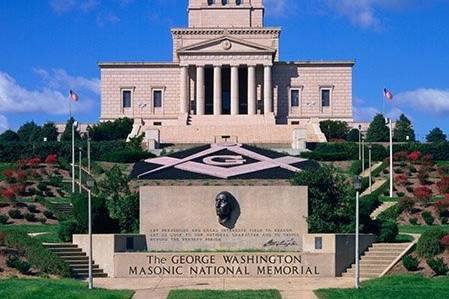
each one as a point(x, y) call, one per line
point(334, 129)
point(49, 131)
point(29, 132)
point(378, 130)
point(9, 136)
point(121, 202)
point(117, 130)
point(436, 135)
point(403, 129)
point(67, 135)
point(353, 135)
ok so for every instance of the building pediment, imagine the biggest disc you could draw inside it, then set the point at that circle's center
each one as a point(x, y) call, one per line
point(226, 44)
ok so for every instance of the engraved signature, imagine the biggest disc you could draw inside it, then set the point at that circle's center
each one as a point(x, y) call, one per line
point(281, 243)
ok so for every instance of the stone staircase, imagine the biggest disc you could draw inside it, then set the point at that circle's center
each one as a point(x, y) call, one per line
point(377, 259)
point(383, 207)
point(77, 260)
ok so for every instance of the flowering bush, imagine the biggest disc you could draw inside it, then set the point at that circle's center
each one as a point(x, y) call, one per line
point(414, 156)
point(401, 179)
point(443, 185)
point(427, 159)
point(423, 193)
point(9, 173)
point(445, 241)
point(443, 204)
point(400, 156)
point(51, 159)
point(9, 193)
point(21, 176)
point(33, 162)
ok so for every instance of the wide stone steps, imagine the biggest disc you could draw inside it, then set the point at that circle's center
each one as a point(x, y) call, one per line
point(77, 260)
point(377, 259)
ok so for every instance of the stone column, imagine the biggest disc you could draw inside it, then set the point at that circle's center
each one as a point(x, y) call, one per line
point(234, 90)
point(200, 91)
point(217, 90)
point(267, 91)
point(184, 94)
point(252, 102)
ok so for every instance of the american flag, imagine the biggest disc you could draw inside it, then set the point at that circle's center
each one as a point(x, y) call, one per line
point(388, 94)
point(73, 96)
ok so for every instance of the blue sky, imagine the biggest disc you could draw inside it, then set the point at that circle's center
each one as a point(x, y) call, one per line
point(51, 46)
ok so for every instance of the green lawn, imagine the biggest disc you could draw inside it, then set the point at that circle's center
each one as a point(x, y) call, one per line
point(392, 287)
point(442, 163)
point(207, 294)
point(48, 289)
point(419, 229)
point(4, 166)
point(51, 237)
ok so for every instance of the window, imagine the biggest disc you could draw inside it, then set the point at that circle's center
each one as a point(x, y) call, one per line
point(126, 98)
point(157, 98)
point(210, 2)
point(238, 2)
point(129, 243)
point(294, 96)
point(318, 243)
point(224, 2)
point(325, 97)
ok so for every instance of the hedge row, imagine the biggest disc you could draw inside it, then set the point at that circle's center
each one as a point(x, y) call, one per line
point(110, 151)
point(39, 256)
point(438, 150)
point(343, 151)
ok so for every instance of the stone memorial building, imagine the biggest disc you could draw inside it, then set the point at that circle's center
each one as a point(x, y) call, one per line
point(226, 79)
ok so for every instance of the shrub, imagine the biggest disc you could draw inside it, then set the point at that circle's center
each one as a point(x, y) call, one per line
point(414, 156)
point(36, 254)
point(13, 261)
point(438, 266)
point(42, 186)
point(401, 179)
point(126, 156)
point(429, 244)
point(49, 214)
point(410, 189)
point(334, 129)
point(42, 220)
point(388, 230)
point(15, 214)
point(423, 193)
point(119, 129)
point(413, 169)
point(444, 220)
point(30, 217)
point(443, 185)
point(55, 181)
point(3, 219)
point(413, 221)
point(32, 209)
point(343, 151)
point(445, 241)
point(401, 194)
point(9, 193)
point(423, 175)
point(428, 218)
point(51, 159)
point(2, 238)
point(67, 229)
point(410, 263)
point(406, 203)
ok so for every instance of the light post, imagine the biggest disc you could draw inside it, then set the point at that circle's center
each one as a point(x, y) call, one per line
point(391, 158)
point(363, 154)
point(360, 142)
point(90, 183)
point(357, 186)
point(74, 124)
point(370, 147)
point(80, 170)
point(88, 154)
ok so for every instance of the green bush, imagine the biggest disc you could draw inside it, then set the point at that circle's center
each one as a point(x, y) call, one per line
point(429, 244)
point(334, 129)
point(42, 220)
point(388, 230)
point(3, 219)
point(343, 151)
point(391, 214)
point(438, 266)
point(32, 208)
point(126, 156)
point(49, 214)
point(118, 129)
point(15, 214)
point(30, 217)
point(356, 167)
point(444, 220)
point(36, 254)
point(42, 186)
point(410, 263)
point(67, 229)
point(55, 181)
point(413, 221)
point(401, 194)
point(428, 218)
point(13, 261)
point(406, 203)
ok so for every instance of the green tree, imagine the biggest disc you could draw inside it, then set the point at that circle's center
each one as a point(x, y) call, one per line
point(378, 130)
point(403, 129)
point(9, 136)
point(29, 132)
point(49, 131)
point(67, 135)
point(353, 135)
point(331, 200)
point(122, 203)
point(334, 129)
point(436, 135)
point(117, 130)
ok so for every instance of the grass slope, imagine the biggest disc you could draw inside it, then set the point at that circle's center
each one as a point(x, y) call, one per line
point(52, 230)
point(49, 289)
point(420, 229)
point(208, 294)
point(393, 287)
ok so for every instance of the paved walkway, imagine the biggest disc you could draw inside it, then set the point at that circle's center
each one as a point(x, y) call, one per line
point(365, 174)
point(158, 288)
point(376, 185)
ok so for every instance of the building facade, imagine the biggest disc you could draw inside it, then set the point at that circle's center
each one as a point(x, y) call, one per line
point(227, 79)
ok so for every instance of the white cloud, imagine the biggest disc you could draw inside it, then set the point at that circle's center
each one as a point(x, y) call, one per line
point(3, 123)
point(276, 8)
point(360, 12)
point(433, 101)
point(18, 99)
point(59, 78)
point(363, 112)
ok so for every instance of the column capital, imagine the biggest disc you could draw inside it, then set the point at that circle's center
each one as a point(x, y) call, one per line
point(235, 65)
point(217, 65)
point(268, 64)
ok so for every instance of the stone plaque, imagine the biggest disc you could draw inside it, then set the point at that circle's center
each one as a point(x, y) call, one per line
point(268, 218)
point(197, 265)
